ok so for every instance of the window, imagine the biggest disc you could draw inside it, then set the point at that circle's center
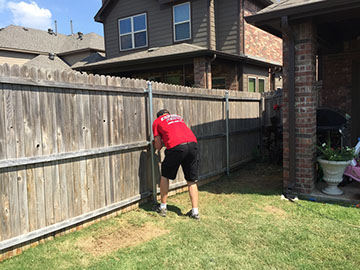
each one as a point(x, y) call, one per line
point(173, 79)
point(218, 83)
point(182, 22)
point(252, 84)
point(133, 32)
point(261, 85)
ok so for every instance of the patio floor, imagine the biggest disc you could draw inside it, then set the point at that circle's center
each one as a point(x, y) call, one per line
point(351, 193)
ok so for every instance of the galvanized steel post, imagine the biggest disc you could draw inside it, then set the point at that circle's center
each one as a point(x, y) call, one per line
point(151, 118)
point(227, 134)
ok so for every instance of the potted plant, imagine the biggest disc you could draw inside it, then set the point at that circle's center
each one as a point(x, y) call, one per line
point(333, 163)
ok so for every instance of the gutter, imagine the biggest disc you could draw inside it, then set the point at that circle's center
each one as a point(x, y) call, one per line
point(23, 51)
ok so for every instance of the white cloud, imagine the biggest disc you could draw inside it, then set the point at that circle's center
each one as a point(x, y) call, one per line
point(30, 15)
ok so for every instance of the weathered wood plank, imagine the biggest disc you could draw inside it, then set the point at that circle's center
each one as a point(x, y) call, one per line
point(4, 184)
point(67, 137)
point(106, 143)
point(20, 152)
point(76, 130)
point(54, 167)
point(60, 107)
point(112, 119)
point(29, 137)
point(37, 151)
point(95, 119)
point(48, 143)
point(83, 120)
point(14, 217)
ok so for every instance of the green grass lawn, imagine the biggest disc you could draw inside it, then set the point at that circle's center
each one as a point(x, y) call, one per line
point(244, 225)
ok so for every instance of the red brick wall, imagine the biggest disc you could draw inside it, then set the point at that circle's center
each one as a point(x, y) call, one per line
point(337, 80)
point(305, 107)
point(200, 64)
point(258, 42)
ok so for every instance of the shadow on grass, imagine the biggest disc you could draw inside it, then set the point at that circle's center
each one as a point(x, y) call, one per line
point(255, 178)
point(148, 207)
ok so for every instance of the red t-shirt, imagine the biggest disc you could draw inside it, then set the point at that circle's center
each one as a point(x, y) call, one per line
point(173, 130)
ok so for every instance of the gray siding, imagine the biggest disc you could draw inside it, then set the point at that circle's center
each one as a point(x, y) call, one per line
point(226, 17)
point(160, 28)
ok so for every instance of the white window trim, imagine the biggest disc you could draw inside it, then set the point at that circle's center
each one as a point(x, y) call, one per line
point(250, 77)
point(133, 32)
point(189, 21)
point(263, 79)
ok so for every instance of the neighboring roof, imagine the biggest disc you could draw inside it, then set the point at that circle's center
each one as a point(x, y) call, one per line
point(29, 39)
point(167, 53)
point(43, 61)
point(297, 9)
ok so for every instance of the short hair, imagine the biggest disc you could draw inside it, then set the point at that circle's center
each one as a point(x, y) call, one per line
point(162, 112)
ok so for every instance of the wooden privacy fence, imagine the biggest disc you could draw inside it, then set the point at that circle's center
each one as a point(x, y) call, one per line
point(75, 146)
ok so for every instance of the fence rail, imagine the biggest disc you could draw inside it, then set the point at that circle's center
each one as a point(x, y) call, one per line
point(75, 146)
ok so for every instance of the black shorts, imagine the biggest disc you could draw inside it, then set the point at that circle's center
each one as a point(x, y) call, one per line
point(185, 155)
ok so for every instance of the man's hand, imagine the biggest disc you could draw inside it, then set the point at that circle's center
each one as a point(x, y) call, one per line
point(158, 143)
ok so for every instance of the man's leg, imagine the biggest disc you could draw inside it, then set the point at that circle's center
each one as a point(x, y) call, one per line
point(194, 194)
point(164, 189)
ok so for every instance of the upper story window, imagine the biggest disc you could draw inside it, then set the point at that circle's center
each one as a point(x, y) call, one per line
point(133, 32)
point(182, 22)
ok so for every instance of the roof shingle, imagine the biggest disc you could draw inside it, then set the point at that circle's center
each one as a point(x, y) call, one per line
point(29, 39)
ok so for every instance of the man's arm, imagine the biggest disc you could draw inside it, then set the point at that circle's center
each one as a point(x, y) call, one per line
point(158, 142)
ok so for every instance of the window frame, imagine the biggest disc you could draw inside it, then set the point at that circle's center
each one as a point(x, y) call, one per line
point(250, 77)
point(174, 23)
point(263, 79)
point(132, 33)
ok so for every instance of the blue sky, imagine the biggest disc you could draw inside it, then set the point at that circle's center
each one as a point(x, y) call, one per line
point(41, 14)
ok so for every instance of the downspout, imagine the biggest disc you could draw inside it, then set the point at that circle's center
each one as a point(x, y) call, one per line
point(208, 64)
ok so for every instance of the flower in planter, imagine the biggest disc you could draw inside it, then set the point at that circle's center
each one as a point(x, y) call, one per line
point(277, 107)
point(339, 154)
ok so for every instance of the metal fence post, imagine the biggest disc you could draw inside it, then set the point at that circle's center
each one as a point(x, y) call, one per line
point(151, 118)
point(227, 134)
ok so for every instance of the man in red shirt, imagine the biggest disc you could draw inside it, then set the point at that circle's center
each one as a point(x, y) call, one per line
point(181, 149)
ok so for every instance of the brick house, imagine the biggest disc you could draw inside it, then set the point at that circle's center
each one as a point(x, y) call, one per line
point(47, 49)
point(321, 68)
point(204, 43)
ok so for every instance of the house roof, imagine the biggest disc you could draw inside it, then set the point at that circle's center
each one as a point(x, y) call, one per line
point(167, 53)
point(153, 53)
point(269, 17)
point(43, 61)
point(33, 40)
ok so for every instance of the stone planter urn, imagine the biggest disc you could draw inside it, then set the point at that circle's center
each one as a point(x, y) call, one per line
point(333, 175)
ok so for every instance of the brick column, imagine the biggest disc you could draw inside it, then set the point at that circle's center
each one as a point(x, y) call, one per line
point(305, 106)
point(200, 65)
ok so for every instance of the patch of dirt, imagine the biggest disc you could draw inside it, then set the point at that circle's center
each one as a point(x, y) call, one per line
point(107, 241)
point(275, 211)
